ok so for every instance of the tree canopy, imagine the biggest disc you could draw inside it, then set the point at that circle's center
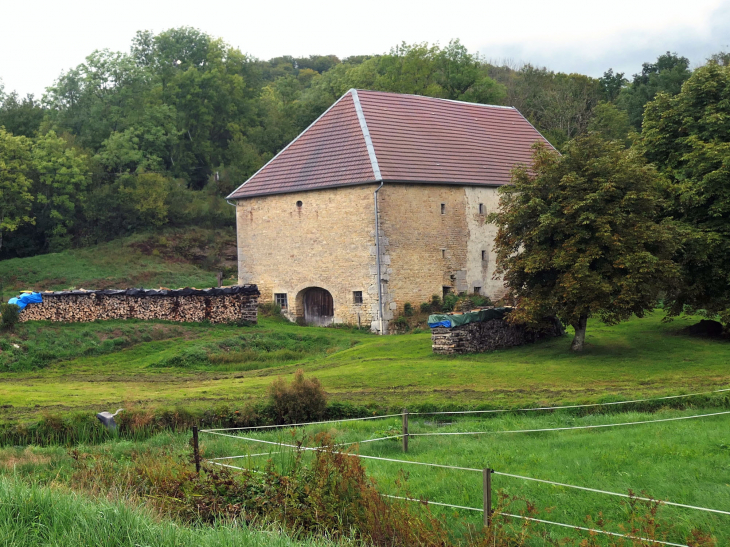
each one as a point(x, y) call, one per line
point(578, 236)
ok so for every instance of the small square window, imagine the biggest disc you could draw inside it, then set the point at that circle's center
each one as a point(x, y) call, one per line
point(477, 290)
point(280, 299)
point(443, 208)
point(357, 297)
point(481, 208)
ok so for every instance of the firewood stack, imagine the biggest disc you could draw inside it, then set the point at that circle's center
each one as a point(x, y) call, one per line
point(219, 305)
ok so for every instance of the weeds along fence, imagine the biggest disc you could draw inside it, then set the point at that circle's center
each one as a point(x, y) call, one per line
point(272, 444)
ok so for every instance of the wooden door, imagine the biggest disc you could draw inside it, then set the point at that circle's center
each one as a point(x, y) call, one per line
point(318, 307)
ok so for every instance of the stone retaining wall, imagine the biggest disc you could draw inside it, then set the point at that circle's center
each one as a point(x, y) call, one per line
point(488, 336)
point(224, 305)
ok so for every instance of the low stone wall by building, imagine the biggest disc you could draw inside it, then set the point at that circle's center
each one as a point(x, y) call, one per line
point(488, 336)
point(223, 305)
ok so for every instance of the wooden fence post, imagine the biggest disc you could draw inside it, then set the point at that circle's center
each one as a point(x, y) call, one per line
point(487, 486)
point(196, 450)
point(405, 430)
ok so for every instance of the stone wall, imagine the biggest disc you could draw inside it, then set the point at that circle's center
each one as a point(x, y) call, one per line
point(225, 305)
point(488, 336)
point(325, 238)
point(328, 241)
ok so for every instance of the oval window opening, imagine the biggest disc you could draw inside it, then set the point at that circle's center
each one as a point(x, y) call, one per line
point(299, 203)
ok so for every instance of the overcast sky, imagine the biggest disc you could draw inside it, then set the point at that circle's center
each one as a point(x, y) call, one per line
point(38, 40)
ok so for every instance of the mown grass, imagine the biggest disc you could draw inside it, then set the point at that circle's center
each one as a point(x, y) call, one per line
point(685, 461)
point(642, 357)
point(33, 515)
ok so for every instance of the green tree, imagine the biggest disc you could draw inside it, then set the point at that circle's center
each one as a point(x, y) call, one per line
point(15, 185)
point(62, 177)
point(21, 116)
point(611, 122)
point(578, 237)
point(666, 75)
point(688, 137)
point(612, 84)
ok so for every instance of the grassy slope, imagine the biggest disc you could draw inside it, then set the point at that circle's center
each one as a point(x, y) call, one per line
point(119, 361)
point(41, 516)
point(640, 357)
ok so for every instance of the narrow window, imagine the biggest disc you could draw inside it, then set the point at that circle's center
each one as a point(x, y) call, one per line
point(280, 299)
point(484, 255)
point(299, 203)
point(481, 208)
point(446, 291)
point(443, 253)
point(357, 297)
point(443, 208)
point(477, 290)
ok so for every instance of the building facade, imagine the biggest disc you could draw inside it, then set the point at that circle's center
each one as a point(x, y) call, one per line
point(423, 173)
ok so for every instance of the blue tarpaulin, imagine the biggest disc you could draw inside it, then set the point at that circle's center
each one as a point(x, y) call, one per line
point(26, 298)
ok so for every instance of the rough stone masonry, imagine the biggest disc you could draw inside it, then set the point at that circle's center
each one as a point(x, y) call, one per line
point(223, 305)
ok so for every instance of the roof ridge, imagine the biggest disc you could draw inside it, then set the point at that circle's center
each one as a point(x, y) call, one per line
point(230, 196)
point(366, 135)
point(436, 98)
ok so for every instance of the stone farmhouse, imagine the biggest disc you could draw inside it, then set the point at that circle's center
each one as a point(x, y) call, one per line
point(420, 172)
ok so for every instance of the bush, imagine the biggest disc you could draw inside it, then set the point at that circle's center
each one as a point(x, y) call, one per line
point(407, 309)
point(425, 307)
point(269, 309)
point(301, 401)
point(435, 303)
point(9, 316)
point(450, 301)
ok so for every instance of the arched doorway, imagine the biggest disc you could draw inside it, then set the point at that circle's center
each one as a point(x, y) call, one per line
point(319, 308)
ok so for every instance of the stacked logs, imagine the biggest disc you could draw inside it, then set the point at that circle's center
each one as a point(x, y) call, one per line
point(222, 305)
point(489, 336)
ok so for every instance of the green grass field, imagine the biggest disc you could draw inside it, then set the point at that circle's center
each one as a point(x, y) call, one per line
point(683, 461)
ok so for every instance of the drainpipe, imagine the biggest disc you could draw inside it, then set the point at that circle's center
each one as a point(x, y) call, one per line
point(377, 259)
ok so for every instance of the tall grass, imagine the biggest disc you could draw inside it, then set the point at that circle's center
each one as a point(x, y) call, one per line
point(32, 515)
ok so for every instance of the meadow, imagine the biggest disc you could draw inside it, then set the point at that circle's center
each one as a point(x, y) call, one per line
point(682, 461)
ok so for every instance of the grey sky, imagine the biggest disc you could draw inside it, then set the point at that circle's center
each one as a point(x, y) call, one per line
point(40, 39)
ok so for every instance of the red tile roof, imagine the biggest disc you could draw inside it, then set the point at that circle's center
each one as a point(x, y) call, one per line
point(368, 136)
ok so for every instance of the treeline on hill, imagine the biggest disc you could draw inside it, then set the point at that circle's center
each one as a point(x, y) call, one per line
point(160, 134)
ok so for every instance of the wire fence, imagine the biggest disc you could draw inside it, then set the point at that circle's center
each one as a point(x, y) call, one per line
point(405, 434)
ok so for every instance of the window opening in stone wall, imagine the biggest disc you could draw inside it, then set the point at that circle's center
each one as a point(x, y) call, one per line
point(484, 255)
point(299, 204)
point(446, 291)
point(280, 299)
point(481, 208)
point(357, 297)
point(443, 253)
point(477, 290)
point(443, 208)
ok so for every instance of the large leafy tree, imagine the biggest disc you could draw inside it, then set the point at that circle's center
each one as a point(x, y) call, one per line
point(578, 236)
point(20, 116)
point(666, 75)
point(15, 185)
point(688, 137)
point(62, 176)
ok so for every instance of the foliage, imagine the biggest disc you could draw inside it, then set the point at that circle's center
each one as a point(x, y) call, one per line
point(408, 309)
point(611, 123)
point(269, 309)
point(578, 236)
point(21, 117)
point(15, 196)
point(688, 137)
point(666, 75)
point(425, 307)
point(9, 317)
point(304, 400)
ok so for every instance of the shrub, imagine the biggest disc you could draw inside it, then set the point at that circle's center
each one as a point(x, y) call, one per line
point(269, 309)
point(450, 301)
point(435, 303)
point(407, 309)
point(304, 400)
point(9, 316)
point(425, 307)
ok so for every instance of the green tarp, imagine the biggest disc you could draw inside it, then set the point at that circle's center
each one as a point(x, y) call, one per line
point(450, 320)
